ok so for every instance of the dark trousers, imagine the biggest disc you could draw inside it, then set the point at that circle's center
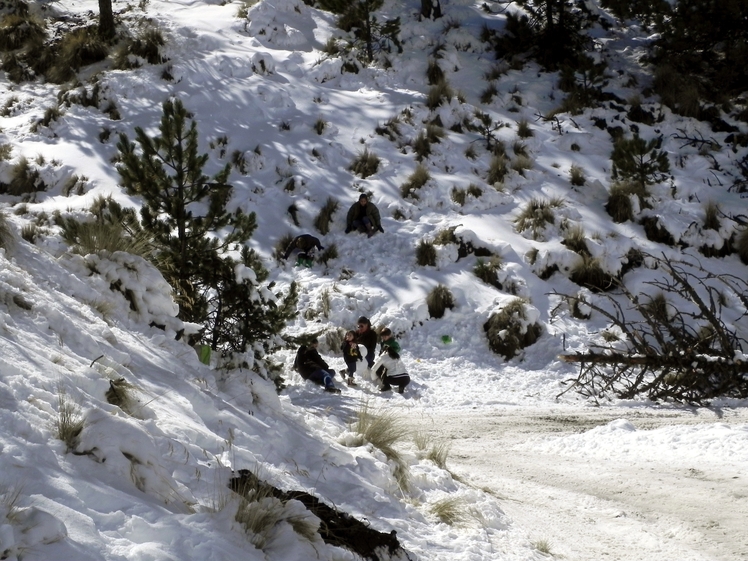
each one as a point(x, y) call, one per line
point(351, 366)
point(322, 377)
point(401, 380)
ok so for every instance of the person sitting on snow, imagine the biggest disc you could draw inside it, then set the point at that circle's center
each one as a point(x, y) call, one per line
point(306, 244)
point(364, 217)
point(310, 365)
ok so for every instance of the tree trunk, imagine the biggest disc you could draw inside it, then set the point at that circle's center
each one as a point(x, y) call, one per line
point(106, 19)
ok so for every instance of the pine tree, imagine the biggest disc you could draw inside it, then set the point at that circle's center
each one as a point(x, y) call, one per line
point(707, 40)
point(358, 17)
point(639, 160)
point(557, 25)
point(185, 213)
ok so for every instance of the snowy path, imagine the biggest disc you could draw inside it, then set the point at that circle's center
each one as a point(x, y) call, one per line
point(597, 508)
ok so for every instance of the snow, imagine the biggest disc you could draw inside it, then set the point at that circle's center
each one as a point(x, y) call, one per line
point(153, 484)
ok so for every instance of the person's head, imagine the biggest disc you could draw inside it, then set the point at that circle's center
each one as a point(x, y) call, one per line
point(314, 342)
point(363, 324)
point(386, 333)
point(392, 353)
point(350, 335)
point(363, 199)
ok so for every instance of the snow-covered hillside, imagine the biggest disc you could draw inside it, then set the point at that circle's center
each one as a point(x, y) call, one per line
point(148, 479)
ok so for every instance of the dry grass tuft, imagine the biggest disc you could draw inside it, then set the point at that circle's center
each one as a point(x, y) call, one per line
point(415, 181)
point(537, 214)
point(439, 300)
point(426, 254)
point(383, 430)
point(323, 220)
point(451, 510)
point(365, 164)
point(69, 423)
point(508, 330)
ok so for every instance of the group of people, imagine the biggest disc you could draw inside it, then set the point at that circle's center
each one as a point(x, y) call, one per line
point(387, 368)
point(363, 216)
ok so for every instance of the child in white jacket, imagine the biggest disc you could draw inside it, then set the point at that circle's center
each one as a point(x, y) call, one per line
point(395, 375)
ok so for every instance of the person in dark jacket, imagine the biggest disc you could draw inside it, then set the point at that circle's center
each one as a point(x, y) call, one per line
point(311, 366)
point(306, 244)
point(351, 355)
point(367, 337)
point(364, 217)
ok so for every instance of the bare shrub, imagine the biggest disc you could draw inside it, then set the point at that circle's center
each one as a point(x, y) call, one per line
point(590, 274)
point(69, 423)
point(576, 175)
point(6, 237)
point(619, 205)
point(24, 180)
point(324, 218)
point(487, 271)
point(18, 30)
point(741, 245)
point(426, 254)
point(281, 245)
point(656, 231)
point(51, 114)
point(711, 217)
point(575, 239)
point(509, 331)
point(537, 214)
point(422, 146)
point(521, 163)
point(415, 181)
point(451, 510)
point(384, 430)
point(434, 73)
point(439, 300)
point(458, 195)
point(146, 45)
point(122, 394)
point(497, 169)
point(675, 91)
point(674, 344)
point(391, 128)
point(438, 94)
point(320, 125)
point(365, 164)
point(523, 129)
point(488, 94)
point(5, 151)
point(79, 48)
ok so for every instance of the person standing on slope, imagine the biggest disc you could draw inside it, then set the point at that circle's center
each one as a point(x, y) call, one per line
point(351, 355)
point(367, 337)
